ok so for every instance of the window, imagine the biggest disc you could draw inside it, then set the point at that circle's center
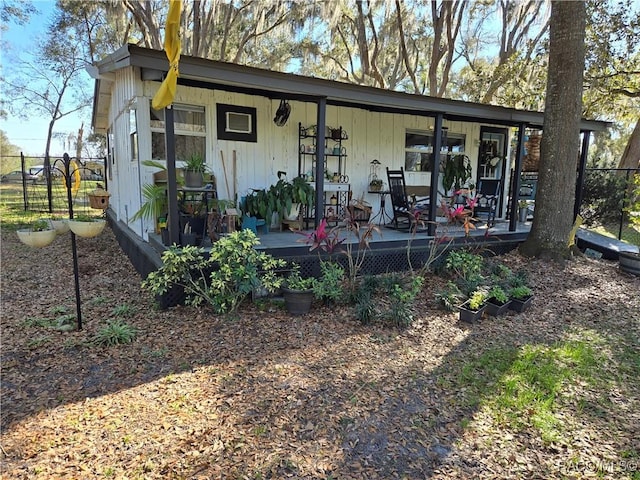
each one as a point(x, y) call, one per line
point(236, 123)
point(133, 135)
point(417, 151)
point(190, 132)
point(418, 148)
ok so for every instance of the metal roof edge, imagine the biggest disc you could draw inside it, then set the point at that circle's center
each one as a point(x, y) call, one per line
point(214, 71)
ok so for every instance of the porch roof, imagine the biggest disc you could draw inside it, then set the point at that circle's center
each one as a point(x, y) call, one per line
point(203, 73)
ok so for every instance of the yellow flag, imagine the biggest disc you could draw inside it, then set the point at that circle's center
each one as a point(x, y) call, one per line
point(167, 90)
point(574, 230)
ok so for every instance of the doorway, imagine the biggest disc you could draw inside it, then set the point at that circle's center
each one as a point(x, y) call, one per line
point(492, 157)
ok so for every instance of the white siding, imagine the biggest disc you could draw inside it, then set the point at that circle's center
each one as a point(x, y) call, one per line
point(371, 136)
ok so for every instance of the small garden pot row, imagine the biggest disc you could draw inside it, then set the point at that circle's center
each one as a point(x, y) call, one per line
point(477, 286)
point(493, 308)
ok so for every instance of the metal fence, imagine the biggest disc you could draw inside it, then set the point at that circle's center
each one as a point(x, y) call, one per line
point(44, 189)
point(606, 197)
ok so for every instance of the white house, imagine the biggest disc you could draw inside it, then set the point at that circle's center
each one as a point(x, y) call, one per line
point(228, 114)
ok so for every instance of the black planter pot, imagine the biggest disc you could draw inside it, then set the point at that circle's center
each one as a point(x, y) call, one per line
point(188, 239)
point(470, 316)
point(496, 309)
point(629, 262)
point(297, 302)
point(520, 305)
point(165, 236)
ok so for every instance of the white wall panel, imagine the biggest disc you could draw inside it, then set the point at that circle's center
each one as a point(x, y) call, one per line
point(371, 136)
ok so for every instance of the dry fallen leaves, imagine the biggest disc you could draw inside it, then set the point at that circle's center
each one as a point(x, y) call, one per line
point(266, 395)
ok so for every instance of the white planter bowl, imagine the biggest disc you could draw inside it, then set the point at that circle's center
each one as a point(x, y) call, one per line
point(60, 226)
point(37, 239)
point(87, 229)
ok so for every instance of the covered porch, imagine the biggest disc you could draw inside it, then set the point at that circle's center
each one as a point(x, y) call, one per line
point(379, 123)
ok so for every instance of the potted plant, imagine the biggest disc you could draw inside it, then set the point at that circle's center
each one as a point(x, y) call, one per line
point(154, 205)
point(286, 197)
point(471, 311)
point(298, 292)
point(456, 172)
point(38, 235)
point(194, 171)
point(59, 224)
point(375, 185)
point(523, 210)
point(498, 301)
point(521, 298)
point(86, 226)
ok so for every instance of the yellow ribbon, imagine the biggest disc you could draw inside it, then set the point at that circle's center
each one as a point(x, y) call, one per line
point(167, 91)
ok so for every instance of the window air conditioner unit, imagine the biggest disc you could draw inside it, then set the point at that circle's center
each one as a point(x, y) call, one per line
point(238, 122)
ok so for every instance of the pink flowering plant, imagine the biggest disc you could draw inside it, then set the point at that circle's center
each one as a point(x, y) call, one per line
point(332, 241)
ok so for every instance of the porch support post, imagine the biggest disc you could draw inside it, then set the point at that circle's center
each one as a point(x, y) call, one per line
point(435, 170)
point(515, 192)
point(581, 170)
point(172, 188)
point(320, 160)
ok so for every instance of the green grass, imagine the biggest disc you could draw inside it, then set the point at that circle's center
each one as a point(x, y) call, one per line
point(523, 388)
point(123, 310)
point(115, 332)
point(630, 233)
point(12, 211)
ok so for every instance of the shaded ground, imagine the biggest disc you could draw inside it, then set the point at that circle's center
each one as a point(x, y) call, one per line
point(266, 395)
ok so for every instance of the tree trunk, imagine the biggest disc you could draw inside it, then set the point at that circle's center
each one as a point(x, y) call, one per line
point(79, 141)
point(631, 156)
point(555, 198)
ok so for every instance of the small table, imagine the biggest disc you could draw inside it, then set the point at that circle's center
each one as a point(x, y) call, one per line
point(382, 214)
point(200, 195)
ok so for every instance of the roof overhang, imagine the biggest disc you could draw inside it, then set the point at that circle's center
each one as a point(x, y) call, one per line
point(203, 73)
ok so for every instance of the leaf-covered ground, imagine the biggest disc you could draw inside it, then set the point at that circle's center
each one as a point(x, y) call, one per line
point(549, 393)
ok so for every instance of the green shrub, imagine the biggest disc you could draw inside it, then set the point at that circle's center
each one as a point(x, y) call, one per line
point(521, 292)
point(602, 197)
point(224, 278)
point(449, 297)
point(464, 264)
point(402, 295)
point(365, 310)
point(115, 332)
point(294, 280)
point(477, 299)
point(330, 286)
point(40, 225)
point(362, 299)
point(387, 298)
point(123, 310)
point(498, 294)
